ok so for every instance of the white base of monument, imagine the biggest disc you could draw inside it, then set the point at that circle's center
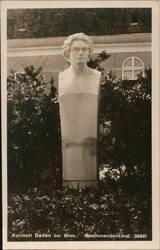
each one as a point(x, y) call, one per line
point(80, 183)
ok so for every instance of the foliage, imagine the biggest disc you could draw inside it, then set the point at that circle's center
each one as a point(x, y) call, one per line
point(126, 113)
point(33, 129)
point(77, 213)
point(36, 23)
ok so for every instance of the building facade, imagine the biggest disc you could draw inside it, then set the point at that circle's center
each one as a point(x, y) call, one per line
point(129, 54)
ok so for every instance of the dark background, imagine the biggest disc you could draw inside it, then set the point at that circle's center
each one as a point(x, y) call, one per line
point(37, 23)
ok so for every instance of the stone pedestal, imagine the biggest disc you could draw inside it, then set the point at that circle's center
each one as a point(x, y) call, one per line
point(78, 100)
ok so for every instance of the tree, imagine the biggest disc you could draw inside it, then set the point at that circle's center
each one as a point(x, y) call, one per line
point(37, 23)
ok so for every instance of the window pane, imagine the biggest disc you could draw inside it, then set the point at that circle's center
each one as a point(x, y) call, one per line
point(128, 63)
point(137, 72)
point(48, 76)
point(19, 67)
point(23, 65)
point(127, 74)
point(46, 63)
point(134, 18)
point(137, 63)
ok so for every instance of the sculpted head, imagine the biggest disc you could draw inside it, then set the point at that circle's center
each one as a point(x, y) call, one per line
point(67, 45)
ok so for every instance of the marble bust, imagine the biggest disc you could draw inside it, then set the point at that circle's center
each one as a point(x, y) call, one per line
point(78, 99)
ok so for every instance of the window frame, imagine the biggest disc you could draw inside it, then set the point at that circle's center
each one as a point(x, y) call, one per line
point(20, 68)
point(132, 68)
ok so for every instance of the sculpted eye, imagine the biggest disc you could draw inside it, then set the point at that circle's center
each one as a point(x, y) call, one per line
point(85, 49)
point(75, 49)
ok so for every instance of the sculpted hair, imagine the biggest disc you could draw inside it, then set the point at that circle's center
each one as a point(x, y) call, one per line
point(77, 36)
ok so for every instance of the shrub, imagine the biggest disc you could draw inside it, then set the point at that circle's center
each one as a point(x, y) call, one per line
point(33, 130)
point(78, 212)
point(126, 147)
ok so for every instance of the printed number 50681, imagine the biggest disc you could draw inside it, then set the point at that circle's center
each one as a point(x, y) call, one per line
point(140, 236)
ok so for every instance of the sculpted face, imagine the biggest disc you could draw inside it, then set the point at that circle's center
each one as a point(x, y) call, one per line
point(79, 52)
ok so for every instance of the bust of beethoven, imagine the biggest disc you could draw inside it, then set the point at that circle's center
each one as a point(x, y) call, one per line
point(78, 99)
point(77, 49)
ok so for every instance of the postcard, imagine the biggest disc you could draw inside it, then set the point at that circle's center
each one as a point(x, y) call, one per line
point(80, 124)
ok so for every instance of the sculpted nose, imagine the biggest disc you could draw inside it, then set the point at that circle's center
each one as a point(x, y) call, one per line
point(80, 51)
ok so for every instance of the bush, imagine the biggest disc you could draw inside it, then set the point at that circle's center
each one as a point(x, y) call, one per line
point(33, 130)
point(126, 147)
point(77, 213)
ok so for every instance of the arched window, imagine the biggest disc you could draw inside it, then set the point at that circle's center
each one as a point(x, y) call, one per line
point(47, 69)
point(19, 67)
point(46, 65)
point(131, 67)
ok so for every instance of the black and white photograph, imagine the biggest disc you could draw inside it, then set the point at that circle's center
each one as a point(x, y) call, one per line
point(80, 112)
